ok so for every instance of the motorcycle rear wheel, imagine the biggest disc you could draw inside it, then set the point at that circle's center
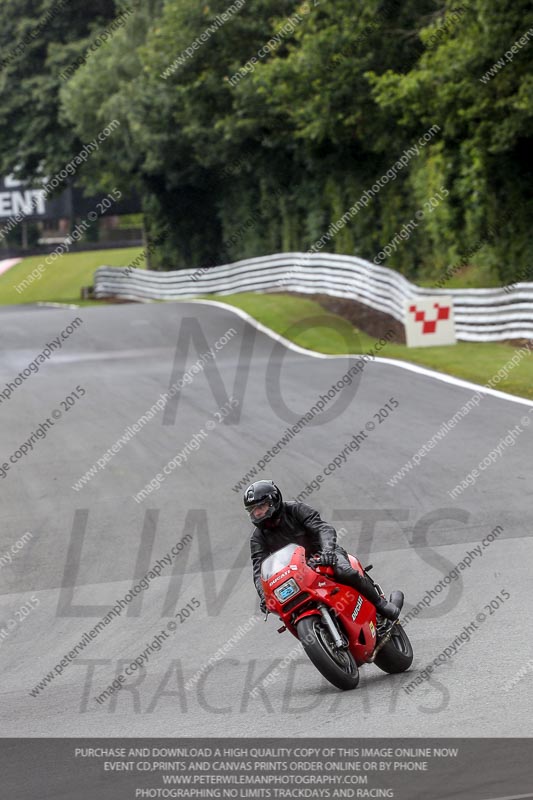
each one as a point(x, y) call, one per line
point(397, 655)
point(337, 666)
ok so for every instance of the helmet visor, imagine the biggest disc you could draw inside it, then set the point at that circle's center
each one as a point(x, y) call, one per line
point(261, 510)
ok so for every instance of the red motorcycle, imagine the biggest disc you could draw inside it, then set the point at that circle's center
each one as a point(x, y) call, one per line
point(336, 625)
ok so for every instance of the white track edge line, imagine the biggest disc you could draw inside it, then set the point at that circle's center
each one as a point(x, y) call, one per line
point(439, 376)
point(513, 797)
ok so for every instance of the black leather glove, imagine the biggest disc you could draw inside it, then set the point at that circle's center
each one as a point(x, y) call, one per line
point(327, 558)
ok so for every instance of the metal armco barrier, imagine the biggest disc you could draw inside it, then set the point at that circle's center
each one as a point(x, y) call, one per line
point(481, 315)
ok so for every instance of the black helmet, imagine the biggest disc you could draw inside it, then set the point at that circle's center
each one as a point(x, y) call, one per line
point(257, 495)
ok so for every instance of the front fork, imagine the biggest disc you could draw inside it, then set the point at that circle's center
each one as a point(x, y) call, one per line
point(339, 640)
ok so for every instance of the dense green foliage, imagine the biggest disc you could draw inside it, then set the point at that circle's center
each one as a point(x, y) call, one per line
point(38, 40)
point(237, 158)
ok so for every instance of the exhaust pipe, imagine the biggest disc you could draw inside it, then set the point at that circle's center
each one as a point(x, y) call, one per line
point(382, 643)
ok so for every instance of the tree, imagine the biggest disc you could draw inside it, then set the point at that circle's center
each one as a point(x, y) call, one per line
point(39, 39)
point(485, 153)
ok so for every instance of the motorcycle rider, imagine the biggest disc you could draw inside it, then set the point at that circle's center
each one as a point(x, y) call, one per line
point(279, 523)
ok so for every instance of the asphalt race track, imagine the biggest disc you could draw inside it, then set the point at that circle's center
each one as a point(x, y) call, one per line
point(89, 547)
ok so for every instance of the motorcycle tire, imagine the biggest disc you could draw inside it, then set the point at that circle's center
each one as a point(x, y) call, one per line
point(337, 666)
point(397, 655)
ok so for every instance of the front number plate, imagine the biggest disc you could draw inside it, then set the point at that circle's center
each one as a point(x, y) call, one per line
point(286, 590)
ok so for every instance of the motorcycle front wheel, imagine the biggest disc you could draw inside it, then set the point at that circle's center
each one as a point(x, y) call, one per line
point(337, 666)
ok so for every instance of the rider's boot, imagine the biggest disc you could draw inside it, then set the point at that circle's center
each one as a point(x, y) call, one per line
point(391, 610)
point(366, 586)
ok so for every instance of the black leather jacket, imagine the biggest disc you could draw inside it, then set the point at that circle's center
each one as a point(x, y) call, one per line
point(298, 523)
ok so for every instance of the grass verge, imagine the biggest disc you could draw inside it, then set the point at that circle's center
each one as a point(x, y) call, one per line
point(62, 280)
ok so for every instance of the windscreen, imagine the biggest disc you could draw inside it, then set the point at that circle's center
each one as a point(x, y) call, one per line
point(278, 560)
